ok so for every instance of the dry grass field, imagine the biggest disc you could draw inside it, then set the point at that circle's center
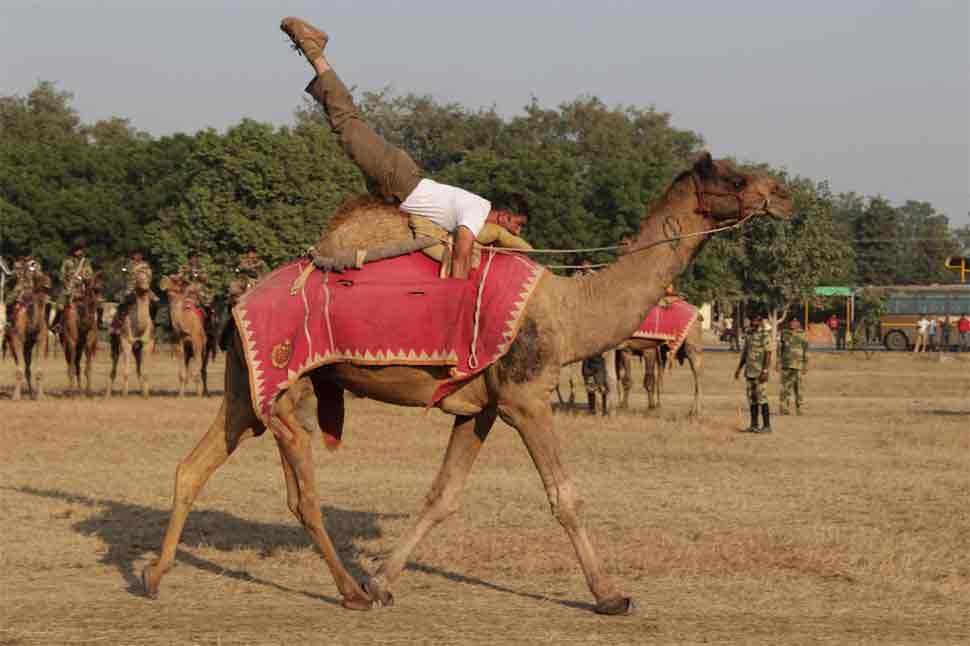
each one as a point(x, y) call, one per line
point(848, 525)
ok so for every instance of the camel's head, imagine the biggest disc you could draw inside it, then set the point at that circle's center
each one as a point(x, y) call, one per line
point(143, 281)
point(726, 195)
point(172, 284)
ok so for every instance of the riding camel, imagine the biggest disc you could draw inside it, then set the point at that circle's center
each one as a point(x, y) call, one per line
point(79, 335)
point(191, 341)
point(27, 337)
point(135, 341)
point(656, 358)
point(516, 388)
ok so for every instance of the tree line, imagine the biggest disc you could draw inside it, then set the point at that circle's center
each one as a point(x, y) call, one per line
point(586, 170)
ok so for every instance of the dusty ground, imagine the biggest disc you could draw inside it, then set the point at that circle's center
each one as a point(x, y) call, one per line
point(847, 526)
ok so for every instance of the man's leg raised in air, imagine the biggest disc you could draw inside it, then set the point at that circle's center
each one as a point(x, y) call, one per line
point(390, 172)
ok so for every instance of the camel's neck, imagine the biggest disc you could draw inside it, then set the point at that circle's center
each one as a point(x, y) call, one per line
point(176, 309)
point(142, 302)
point(608, 306)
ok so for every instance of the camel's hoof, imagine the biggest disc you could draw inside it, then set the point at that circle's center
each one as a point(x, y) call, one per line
point(617, 606)
point(379, 597)
point(149, 582)
point(357, 604)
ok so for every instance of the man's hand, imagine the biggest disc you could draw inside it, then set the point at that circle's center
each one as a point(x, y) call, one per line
point(737, 374)
point(763, 377)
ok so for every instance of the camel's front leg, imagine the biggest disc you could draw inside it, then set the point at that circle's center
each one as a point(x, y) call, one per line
point(533, 419)
point(179, 356)
point(650, 379)
point(222, 438)
point(88, 364)
point(147, 348)
point(40, 351)
point(695, 359)
point(296, 453)
point(467, 436)
point(127, 356)
point(19, 383)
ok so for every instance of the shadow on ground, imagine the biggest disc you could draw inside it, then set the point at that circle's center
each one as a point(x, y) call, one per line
point(133, 532)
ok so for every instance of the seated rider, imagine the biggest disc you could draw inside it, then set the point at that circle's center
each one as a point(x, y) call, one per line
point(195, 276)
point(136, 265)
point(436, 209)
point(26, 271)
point(75, 271)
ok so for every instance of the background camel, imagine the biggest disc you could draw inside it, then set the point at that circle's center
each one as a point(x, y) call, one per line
point(136, 340)
point(656, 359)
point(516, 389)
point(79, 335)
point(27, 337)
point(191, 344)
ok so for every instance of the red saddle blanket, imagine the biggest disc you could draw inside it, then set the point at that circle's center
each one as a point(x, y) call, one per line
point(392, 312)
point(669, 321)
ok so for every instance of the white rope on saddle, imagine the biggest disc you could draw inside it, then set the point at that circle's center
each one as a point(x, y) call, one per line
point(473, 355)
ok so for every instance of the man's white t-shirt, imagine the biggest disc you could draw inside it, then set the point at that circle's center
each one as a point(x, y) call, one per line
point(447, 206)
point(922, 325)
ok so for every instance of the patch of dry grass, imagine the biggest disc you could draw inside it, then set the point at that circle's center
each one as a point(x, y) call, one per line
point(847, 525)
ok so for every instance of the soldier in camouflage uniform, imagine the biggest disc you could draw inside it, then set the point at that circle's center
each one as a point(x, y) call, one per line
point(250, 269)
point(755, 360)
point(136, 265)
point(196, 278)
point(793, 363)
point(594, 376)
point(75, 272)
point(26, 271)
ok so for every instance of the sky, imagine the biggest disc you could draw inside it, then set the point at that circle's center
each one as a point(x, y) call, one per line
point(872, 96)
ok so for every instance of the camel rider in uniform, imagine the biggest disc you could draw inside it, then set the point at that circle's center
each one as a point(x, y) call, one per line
point(75, 271)
point(755, 360)
point(793, 360)
point(435, 209)
point(136, 265)
point(251, 268)
point(26, 272)
point(195, 276)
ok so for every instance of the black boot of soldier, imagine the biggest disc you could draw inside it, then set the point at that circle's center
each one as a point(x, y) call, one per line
point(754, 419)
point(606, 407)
point(765, 419)
point(591, 402)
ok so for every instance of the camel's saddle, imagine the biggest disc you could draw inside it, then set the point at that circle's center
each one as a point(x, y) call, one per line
point(396, 311)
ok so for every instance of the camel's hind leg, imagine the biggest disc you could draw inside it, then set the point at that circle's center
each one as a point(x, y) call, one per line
point(147, 348)
point(233, 424)
point(533, 420)
point(651, 378)
point(467, 436)
point(296, 453)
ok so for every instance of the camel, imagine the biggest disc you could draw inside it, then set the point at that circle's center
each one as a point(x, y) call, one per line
point(656, 359)
point(191, 341)
point(27, 337)
point(136, 340)
point(517, 388)
point(79, 336)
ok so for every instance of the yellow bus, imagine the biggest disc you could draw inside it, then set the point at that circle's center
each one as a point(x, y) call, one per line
point(906, 304)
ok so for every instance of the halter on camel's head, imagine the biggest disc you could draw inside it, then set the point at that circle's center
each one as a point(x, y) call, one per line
point(172, 284)
point(142, 281)
point(726, 196)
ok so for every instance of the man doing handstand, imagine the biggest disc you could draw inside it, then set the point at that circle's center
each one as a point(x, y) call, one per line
point(392, 174)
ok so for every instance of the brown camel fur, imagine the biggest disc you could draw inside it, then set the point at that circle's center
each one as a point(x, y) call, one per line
point(656, 359)
point(135, 342)
point(516, 389)
point(79, 336)
point(28, 338)
point(191, 342)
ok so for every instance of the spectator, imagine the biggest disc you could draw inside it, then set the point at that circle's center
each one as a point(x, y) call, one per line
point(963, 327)
point(922, 329)
point(835, 325)
point(945, 326)
point(931, 330)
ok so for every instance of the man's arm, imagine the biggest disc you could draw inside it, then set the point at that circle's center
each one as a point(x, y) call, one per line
point(742, 360)
point(493, 233)
point(462, 260)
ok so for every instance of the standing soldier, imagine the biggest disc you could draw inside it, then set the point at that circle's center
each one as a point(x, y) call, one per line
point(755, 360)
point(136, 265)
point(196, 278)
point(793, 363)
point(75, 271)
point(594, 375)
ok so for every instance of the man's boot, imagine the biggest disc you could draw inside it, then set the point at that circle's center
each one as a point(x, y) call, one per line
point(307, 39)
point(765, 419)
point(754, 419)
point(591, 402)
point(606, 407)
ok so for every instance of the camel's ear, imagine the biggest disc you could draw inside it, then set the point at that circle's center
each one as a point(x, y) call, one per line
point(704, 165)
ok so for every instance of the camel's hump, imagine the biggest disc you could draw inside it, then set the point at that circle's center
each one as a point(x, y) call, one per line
point(363, 222)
